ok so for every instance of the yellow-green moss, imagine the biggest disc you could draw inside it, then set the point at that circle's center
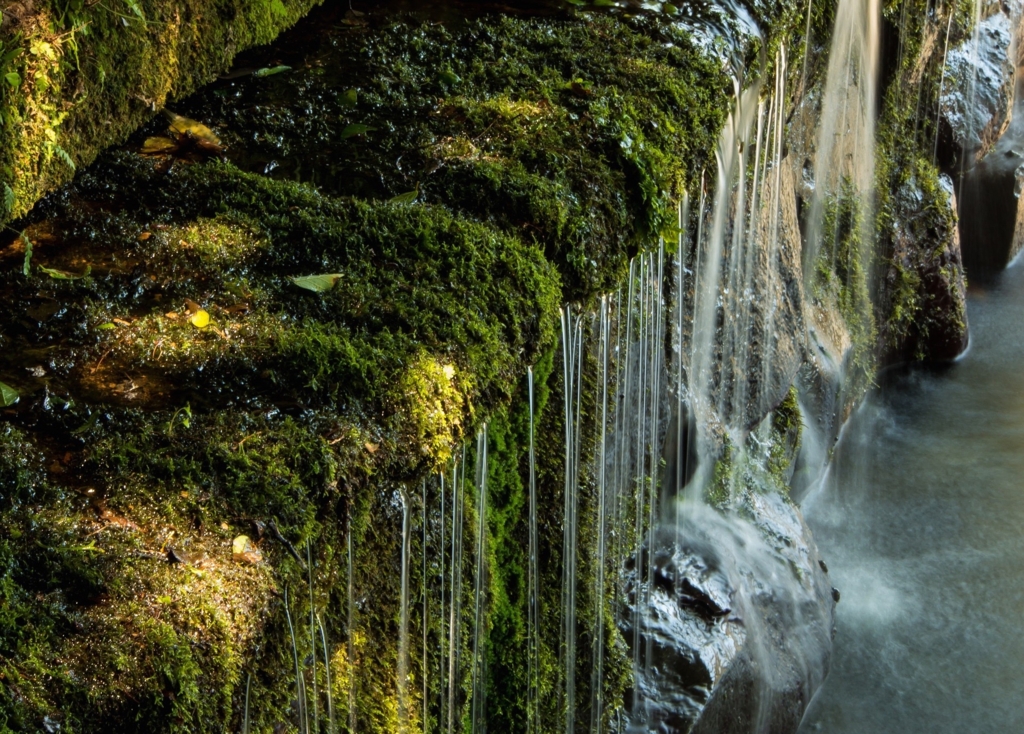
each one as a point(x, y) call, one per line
point(88, 74)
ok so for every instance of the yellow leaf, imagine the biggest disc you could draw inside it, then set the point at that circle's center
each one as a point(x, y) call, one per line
point(200, 319)
point(243, 550)
point(158, 145)
point(182, 125)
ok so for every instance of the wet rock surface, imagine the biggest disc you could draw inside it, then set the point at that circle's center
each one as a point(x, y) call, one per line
point(924, 283)
point(982, 134)
point(726, 660)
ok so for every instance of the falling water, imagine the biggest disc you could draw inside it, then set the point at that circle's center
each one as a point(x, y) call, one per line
point(300, 692)
point(533, 580)
point(479, 723)
point(423, 590)
point(733, 141)
point(350, 621)
point(776, 119)
point(442, 665)
point(572, 363)
point(327, 673)
point(846, 130)
point(942, 79)
point(682, 436)
point(403, 625)
point(455, 607)
point(600, 590)
point(312, 637)
point(972, 91)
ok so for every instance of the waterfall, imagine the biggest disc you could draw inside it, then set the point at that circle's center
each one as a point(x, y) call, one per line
point(572, 362)
point(442, 665)
point(403, 625)
point(454, 626)
point(350, 622)
point(300, 690)
point(706, 397)
point(846, 130)
point(533, 591)
point(600, 552)
point(423, 590)
point(479, 682)
point(327, 673)
point(312, 638)
point(674, 382)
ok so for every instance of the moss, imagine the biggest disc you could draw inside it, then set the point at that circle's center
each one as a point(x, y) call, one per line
point(762, 463)
point(719, 491)
point(143, 644)
point(921, 305)
point(844, 269)
point(784, 439)
point(535, 182)
point(576, 135)
point(90, 73)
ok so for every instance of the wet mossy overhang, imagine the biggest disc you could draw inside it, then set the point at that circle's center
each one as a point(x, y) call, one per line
point(458, 183)
point(77, 76)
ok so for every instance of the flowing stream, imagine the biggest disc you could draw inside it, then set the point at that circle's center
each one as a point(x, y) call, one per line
point(921, 521)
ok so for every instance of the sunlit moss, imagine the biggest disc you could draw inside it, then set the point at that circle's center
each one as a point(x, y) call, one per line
point(90, 73)
point(433, 407)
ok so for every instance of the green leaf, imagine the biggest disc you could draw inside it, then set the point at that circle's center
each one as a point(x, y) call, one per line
point(134, 7)
point(317, 283)
point(63, 155)
point(670, 9)
point(449, 77)
point(61, 275)
point(349, 98)
point(89, 547)
point(354, 129)
point(577, 3)
point(107, 326)
point(272, 70)
point(13, 78)
point(26, 268)
point(8, 395)
point(9, 198)
point(606, 3)
point(407, 198)
point(277, 8)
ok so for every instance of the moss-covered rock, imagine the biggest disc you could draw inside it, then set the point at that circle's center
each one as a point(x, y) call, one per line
point(577, 135)
point(79, 76)
point(180, 387)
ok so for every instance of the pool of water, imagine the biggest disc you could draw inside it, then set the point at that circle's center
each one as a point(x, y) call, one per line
point(921, 521)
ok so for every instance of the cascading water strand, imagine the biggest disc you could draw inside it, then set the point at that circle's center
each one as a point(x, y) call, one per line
point(479, 686)
point(533, 581)
point(572, 361)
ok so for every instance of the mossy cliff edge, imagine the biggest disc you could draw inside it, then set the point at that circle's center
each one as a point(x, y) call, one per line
point(185, 391)
point(78, 76)
point(452, 184)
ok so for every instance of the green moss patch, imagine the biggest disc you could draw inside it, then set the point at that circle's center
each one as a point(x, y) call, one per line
point(577, 135)
point(79, 76)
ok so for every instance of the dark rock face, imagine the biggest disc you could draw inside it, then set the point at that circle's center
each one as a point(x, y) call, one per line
point(924, 286)
point(737, 616)
point(984, 148)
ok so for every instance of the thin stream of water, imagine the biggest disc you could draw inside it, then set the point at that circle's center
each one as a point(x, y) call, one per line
point(920, 520)
point(479, 686)
point(403, 628)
